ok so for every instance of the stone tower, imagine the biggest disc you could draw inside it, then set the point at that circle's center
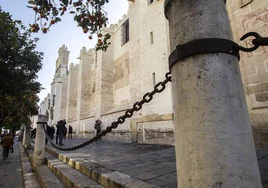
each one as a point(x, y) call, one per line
point(56, 85)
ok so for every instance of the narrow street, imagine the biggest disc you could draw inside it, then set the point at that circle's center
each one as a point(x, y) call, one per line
point(10, 169)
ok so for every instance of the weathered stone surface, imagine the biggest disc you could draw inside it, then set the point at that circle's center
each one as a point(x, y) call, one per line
point(133, 160)
point(107, 82)
point(70, 176)
point(47, 178)
point(29, 177)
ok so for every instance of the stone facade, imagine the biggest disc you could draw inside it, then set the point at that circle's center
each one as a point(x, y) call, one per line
point(249, 16)
point(104, 84)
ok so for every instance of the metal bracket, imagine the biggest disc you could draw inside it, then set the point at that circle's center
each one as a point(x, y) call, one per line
point(203, 46)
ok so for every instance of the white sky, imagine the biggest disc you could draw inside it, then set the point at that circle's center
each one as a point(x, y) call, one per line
point(65, 32)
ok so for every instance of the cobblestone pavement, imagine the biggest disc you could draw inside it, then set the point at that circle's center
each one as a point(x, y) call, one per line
point(154, 164)
point(10, 169)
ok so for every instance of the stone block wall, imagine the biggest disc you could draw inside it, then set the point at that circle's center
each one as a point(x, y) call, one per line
point(85, 70)
point(63, 105)
point(72, 90)
point(249, 16)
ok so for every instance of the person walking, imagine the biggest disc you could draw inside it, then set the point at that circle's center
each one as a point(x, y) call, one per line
point(7, 143)
point(70, 132)
point(57, 132)
point(61, 130)
point(97, 126)
point(52, 132)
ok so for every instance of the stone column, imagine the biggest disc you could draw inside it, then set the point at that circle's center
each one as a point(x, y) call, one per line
point(39, 146)
point(213, 136)
point(26, 137)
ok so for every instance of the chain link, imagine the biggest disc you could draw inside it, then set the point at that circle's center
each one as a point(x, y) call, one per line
point(158, 88)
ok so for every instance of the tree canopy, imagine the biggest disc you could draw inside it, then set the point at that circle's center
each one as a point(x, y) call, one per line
point(19, 65)
point(89, 15)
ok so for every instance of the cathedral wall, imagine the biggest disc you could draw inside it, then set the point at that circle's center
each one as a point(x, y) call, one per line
point(253, 65)
point(154, 56)
point(72, 99)
point(64, 97)
point(111, 82)
point(85, 68)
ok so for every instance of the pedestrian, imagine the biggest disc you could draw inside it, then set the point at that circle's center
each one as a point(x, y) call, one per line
point(33, 133)
point(7, 143)
point(52, 132)
point(64, 132)
point(57, 132)
point(97, 126)
point(61, 131)
point(70, 132)
point(49, 132)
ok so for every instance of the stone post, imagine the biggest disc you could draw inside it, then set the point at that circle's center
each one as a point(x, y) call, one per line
point(26, 137)
point(213, 136)
point(39, 146)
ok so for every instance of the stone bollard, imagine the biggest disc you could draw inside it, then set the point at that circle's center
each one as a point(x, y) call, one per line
point(26, 137)
point(213, 136)
point(39, 146)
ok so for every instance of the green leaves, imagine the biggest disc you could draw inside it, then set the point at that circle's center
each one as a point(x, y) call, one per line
point(89, 15)
point(31, 2)
point(19, 65)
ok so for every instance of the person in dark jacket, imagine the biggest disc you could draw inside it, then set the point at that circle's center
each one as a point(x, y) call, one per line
point(70, 132)
point(33, 133)
point(64, 132)
point(52, 132)
point(97, 126)
point(7, 143)
point(61, 129)
point(57, 132)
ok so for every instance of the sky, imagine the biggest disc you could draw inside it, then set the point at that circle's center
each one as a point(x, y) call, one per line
point(65, 32)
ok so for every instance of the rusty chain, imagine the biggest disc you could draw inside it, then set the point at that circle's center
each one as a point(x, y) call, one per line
point(158, 88)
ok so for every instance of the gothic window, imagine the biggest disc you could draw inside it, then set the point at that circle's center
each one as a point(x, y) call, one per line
point(53, 100)
point(125, 32)
point(51, 113)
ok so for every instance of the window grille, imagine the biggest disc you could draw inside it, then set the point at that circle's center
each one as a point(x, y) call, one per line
point(125, 33)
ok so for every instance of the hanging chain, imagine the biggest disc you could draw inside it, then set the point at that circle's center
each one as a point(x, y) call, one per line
point(256, 42)
point(158, 88)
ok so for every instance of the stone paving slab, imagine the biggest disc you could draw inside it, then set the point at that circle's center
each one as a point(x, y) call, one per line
point(152, 164)
point(149, 164)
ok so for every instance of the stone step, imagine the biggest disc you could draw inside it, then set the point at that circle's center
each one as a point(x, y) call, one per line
point(44, 176)
point(102, 175)
point(47, 178)
point(70, 176)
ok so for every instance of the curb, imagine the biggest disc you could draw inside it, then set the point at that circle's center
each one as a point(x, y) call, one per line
point(100, 174)
point(28, 175)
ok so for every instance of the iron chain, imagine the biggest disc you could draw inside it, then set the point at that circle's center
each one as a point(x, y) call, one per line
point(158, 88)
